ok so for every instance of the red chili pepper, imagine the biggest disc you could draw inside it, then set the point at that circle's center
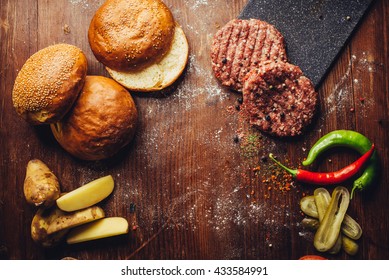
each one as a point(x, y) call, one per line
point(330, 178)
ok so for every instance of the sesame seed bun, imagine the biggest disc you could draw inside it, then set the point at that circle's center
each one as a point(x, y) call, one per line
point(49, 83)
point(102, 121)
point(124, 34)
point(159, 75)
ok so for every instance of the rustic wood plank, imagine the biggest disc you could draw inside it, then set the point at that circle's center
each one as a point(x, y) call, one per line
point(369, 57)
point(198, 194)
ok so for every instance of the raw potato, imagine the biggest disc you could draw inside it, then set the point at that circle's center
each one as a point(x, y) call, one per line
point(50, 225)
point(99, 229)
point(86, 195)
point(40, 224)
point(66, 220)
point(41, 186)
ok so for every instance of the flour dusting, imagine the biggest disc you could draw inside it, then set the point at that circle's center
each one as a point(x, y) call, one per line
point(214, 202)
point(86, 4)
point(196, 4)
point(345, 87)
point(209, 90)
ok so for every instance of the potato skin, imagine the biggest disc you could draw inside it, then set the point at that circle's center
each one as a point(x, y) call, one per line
point(65, 220)
point(39, 225)
point(49, 226)
point(41, 186)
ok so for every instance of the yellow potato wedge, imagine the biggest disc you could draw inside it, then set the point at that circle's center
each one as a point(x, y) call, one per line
point(66, 220)
point(102, 228)
point(86, 195)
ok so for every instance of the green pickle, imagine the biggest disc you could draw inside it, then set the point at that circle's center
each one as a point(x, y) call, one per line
point(310, 223)
point(327, 234)
point(337, 247)
point(349, 227)
point(308, 206)
point(349, 246)
point(322, 200)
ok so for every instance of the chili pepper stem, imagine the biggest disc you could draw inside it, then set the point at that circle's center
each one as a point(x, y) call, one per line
point(293, 172)
point(352, 192)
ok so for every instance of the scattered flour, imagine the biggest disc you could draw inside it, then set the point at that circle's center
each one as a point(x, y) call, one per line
point(205, 203)
point(198, 3)
point(85, 4)
point(209, 90)
point(345, 87)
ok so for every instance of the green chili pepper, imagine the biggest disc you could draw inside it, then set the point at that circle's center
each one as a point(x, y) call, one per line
point(350, 139)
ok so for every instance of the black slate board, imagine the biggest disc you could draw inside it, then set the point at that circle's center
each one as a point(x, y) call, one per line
point(315, 31)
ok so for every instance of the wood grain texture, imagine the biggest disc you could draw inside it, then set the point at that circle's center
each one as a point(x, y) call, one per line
point(195, 191)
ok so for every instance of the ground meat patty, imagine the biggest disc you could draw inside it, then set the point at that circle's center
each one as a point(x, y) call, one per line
point(241, 45)
point(279, 99)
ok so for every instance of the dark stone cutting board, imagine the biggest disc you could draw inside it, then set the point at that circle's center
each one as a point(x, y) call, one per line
point(315, 31)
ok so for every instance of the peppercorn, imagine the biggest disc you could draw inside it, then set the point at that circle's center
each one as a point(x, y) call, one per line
point(236, 138)
point(267, 118)
point(224, 60)
point(240, 100)
point(132, 208)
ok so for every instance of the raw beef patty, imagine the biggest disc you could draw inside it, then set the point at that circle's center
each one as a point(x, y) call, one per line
point(242, 45)
point(279, 99)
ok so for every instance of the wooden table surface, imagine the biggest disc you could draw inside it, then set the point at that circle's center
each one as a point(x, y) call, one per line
point(190, 189)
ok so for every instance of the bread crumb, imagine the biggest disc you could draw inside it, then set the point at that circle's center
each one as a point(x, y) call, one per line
point(66, 29)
